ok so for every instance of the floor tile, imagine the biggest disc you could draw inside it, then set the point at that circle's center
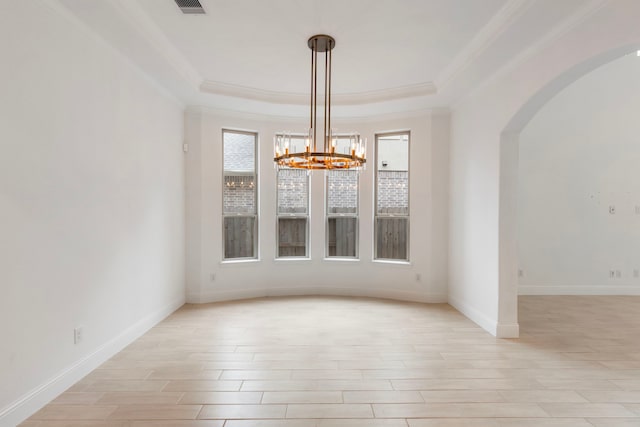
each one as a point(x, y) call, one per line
point(614, 422)
point(549, 396)
point(125, 385)
point(382, 397)
point(178, 423)
point(221, 397)
point(329, 411)
point(611, 396)
point(286, 397)
point(461, 396)
point(587, 410)
point(155, 412)
point(139, 398)
point(202, 385)
point(76, 398)
point(74, 412)
point(457, 410)
point(256, 375)
point(242, 411)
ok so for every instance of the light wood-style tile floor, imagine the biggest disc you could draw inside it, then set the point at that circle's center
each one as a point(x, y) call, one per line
point(352, 362)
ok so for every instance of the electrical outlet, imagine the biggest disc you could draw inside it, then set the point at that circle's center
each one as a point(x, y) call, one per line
point(612, 274)
point(418, 277)
point(77, 335)
point(612, 210)
point(520, 273)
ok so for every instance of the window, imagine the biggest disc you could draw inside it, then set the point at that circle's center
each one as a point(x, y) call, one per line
point(392, 197)
point(342, 208)
point(293, 208)
point(239, 195)
point(342, 214)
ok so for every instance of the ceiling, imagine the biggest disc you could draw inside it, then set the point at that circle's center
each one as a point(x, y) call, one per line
point(391, 56)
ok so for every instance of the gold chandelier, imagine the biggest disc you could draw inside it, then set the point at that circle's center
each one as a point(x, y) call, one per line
point(327, 153)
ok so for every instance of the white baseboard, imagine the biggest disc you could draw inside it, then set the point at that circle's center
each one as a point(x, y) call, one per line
point(507, 330)
point(495, 328)
point(578, 290)
point(35, 399)
point(226, 295)
point(486, 323)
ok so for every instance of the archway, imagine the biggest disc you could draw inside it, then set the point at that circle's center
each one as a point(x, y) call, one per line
point(509, 165)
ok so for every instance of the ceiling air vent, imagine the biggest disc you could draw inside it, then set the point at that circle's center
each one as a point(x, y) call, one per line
point(190, 6)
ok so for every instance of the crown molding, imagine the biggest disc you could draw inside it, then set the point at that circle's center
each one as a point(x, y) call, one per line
point(273, 97)
point(497, 25)
point(144, 25)
point(575, 19)
point(242, 115)
point(63, 11)
point(254, 94)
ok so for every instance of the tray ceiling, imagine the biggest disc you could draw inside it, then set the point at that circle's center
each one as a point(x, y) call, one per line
point(390, 56)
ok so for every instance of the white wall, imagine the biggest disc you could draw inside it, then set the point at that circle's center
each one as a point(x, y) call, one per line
point(268, 276)
point(91, 204)
point(484, 156)
point(578, 156)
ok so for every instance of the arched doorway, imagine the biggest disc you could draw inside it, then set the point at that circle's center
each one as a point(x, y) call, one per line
point(509, 164)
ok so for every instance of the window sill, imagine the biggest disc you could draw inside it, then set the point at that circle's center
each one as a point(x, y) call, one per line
point(340, 259)
point(392, 262)
point(292, 259)
point(240, 261)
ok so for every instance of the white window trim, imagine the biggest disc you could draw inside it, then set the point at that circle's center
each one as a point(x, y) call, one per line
point(256, 227)
point(406, 261)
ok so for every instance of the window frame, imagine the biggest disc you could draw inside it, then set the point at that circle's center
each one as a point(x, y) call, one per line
point(225, 215)
point(377, 215)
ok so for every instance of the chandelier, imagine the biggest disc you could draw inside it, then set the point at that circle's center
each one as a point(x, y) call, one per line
point(329, 151)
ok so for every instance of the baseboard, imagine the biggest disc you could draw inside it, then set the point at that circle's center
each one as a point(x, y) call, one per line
point(486, 323)
point(225, 295)
point(507, 330)
point(578, 290)
point(34, 400)
point(497, 329)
